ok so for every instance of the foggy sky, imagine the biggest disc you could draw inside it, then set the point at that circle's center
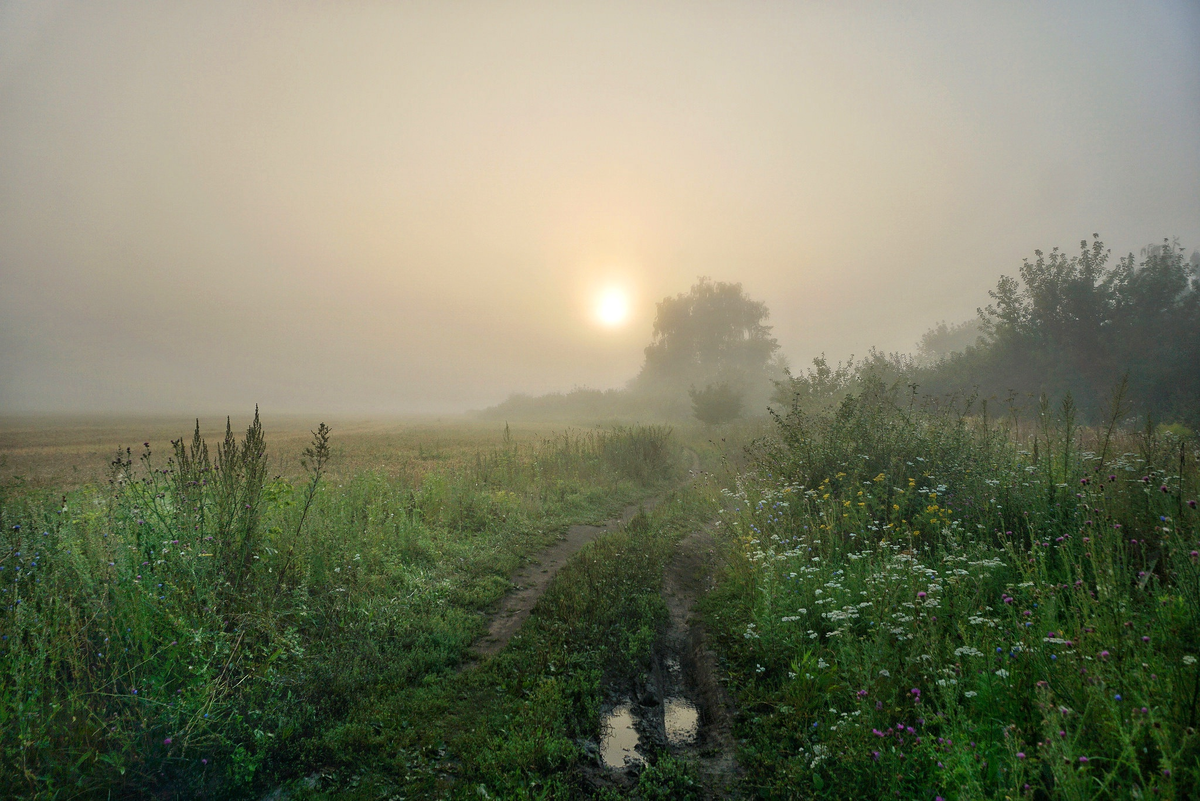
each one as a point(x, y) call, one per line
point(392, 207)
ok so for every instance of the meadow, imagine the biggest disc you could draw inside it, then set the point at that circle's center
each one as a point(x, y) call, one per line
point(931, 603)
point(200, 623)
point(908, 600)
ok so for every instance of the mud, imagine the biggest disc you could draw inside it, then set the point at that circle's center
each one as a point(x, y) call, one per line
point(620, 738)
point(679, 707)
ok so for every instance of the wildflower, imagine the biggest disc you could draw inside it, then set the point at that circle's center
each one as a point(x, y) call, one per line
point(921, 594)
point(167, 741)
point(1117, 697)
point(1020, 755)
point(1104, 654)
point(1189, 660)
point(1083, 759)
point(915, 692)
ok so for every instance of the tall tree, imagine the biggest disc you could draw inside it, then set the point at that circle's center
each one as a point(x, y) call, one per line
point(712, 333)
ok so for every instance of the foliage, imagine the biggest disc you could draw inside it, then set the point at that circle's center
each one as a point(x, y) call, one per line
point(944, 340)
point(716, 403)
point(710, 336)
point(199, 628)
point(668, 779)
point(713, 332)
point(920, 604)
point(1068, 324)
point(1075, 324)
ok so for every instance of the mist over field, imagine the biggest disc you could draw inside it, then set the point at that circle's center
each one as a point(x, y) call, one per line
point(380, 209)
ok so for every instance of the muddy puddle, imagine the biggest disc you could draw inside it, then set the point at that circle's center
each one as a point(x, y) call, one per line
point(676, 707)
point(618, 747)
point(620, 736)
point(682, 721)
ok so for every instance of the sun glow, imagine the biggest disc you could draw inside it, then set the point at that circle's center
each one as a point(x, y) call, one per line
point(612, 307)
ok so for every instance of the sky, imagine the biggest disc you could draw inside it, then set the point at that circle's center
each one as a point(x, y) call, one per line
point(387, 208)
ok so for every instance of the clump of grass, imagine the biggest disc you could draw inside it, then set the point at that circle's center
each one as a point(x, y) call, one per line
point(919, 604)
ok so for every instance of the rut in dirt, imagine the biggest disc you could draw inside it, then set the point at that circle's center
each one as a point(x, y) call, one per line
point(680, 708)
point(532, 580)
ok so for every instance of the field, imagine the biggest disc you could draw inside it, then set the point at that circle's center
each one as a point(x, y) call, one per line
point(872, 601)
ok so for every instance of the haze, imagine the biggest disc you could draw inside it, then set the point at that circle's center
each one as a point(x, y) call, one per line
point(390, 208)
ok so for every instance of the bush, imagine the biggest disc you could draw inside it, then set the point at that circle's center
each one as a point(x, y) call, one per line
point(919, 603)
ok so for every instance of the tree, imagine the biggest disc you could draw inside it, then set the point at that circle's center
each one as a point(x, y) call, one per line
point(713, 333)
point(1079, 324)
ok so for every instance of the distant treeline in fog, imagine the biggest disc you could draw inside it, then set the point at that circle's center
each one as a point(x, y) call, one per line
point(1080, 324)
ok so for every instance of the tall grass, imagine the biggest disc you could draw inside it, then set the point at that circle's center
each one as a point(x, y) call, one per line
point(920, 604)
point(195, 625)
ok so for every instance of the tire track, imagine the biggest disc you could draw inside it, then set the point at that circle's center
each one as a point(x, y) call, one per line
point(533, 579)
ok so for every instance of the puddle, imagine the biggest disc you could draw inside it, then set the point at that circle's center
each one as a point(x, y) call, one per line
point(682, 721)
point(620, 738)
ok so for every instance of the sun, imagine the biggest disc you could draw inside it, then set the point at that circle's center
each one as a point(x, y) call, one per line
point(612, 307)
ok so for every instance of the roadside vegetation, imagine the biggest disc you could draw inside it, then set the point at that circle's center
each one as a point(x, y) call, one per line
point(919, 603)
point(197, 627)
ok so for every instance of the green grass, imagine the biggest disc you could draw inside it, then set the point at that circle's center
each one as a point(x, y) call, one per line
point(918, 605)
point(913, 603)
point(511, 728)
point(189, 629)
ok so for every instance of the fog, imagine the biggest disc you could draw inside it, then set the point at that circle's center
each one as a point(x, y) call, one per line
point(391, 208)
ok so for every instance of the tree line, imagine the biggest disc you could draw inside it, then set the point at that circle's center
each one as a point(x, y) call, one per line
point(1078, 324)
